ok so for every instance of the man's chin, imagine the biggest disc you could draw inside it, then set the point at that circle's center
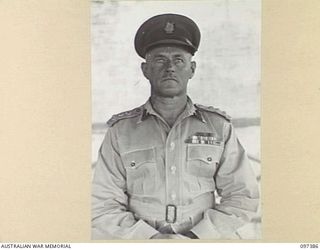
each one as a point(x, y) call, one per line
point(170, 93)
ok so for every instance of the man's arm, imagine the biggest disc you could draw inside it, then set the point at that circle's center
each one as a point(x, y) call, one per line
point(238, 188)
point(110, 216)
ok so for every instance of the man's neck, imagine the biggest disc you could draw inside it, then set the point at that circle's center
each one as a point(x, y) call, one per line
point(169, 107)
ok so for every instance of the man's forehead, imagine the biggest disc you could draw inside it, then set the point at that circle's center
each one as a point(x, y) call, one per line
point(168, 50)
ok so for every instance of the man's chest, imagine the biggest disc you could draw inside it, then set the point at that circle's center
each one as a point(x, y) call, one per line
point(188, 155)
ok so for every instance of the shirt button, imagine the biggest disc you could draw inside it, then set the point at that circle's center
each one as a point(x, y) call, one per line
point(172, 146)
point(173, 169)
point(173, 196)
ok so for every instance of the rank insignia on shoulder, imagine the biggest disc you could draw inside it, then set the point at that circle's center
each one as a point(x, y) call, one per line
point(124, 115)
point(203, 138)
point(214, 110)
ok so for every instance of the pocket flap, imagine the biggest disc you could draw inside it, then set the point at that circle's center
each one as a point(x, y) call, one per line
point(205, 153)
point(135, 159)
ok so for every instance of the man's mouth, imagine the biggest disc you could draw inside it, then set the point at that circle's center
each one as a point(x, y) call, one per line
point(169, 79)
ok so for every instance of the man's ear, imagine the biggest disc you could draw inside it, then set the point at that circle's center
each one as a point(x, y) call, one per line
point(144, 68)
point(193, 68)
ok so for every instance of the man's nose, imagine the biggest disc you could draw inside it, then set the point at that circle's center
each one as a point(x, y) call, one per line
point(170, 67)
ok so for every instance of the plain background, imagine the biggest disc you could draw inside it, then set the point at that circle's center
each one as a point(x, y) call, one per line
point(45, 112)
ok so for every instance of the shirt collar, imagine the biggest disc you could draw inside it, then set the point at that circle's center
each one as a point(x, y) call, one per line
point(190, 110)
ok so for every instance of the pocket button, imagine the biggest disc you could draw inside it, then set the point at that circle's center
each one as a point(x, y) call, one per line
point(209, 159)
point(132, 164)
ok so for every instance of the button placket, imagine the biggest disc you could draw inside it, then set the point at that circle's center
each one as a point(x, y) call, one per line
point(171, 168)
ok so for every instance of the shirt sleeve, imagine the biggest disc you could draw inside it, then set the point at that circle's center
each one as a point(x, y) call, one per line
point(110, 216)
point(238, 188)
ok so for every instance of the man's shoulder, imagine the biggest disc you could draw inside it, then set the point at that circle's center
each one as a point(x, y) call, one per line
point(124, 115)
point(214, 111)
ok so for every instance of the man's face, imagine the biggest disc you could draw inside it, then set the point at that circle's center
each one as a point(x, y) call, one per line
point(168, 69)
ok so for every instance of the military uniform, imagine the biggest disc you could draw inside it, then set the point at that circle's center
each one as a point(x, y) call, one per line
point(152, 178)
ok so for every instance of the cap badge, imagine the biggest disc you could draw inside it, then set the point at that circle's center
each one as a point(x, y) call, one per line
point(169, 29)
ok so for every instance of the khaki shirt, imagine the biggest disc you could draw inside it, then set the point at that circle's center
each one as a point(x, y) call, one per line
point(151, 178)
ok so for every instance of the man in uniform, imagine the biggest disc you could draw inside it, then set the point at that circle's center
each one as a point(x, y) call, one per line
point(161, 164)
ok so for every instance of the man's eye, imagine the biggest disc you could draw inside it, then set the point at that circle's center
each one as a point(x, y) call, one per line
point(178, 60)
point(159, 60)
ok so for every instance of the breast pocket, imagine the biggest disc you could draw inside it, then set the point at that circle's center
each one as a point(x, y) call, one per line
point(140, 168)
point(202, 163)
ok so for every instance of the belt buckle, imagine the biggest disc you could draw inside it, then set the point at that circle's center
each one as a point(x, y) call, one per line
point(171, 213)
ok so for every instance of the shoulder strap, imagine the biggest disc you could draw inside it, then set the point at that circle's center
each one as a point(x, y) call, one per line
point(214, 110)
point(123, 115)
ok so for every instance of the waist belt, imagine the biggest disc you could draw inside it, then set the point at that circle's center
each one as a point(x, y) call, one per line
point(172, 213)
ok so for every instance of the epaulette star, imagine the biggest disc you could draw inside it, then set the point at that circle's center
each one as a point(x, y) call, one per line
point(214, 110)
point(123, 115)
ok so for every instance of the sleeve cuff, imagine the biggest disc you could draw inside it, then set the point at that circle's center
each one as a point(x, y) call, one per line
point(206, 230)
point(191, 235)
point(143, 231)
